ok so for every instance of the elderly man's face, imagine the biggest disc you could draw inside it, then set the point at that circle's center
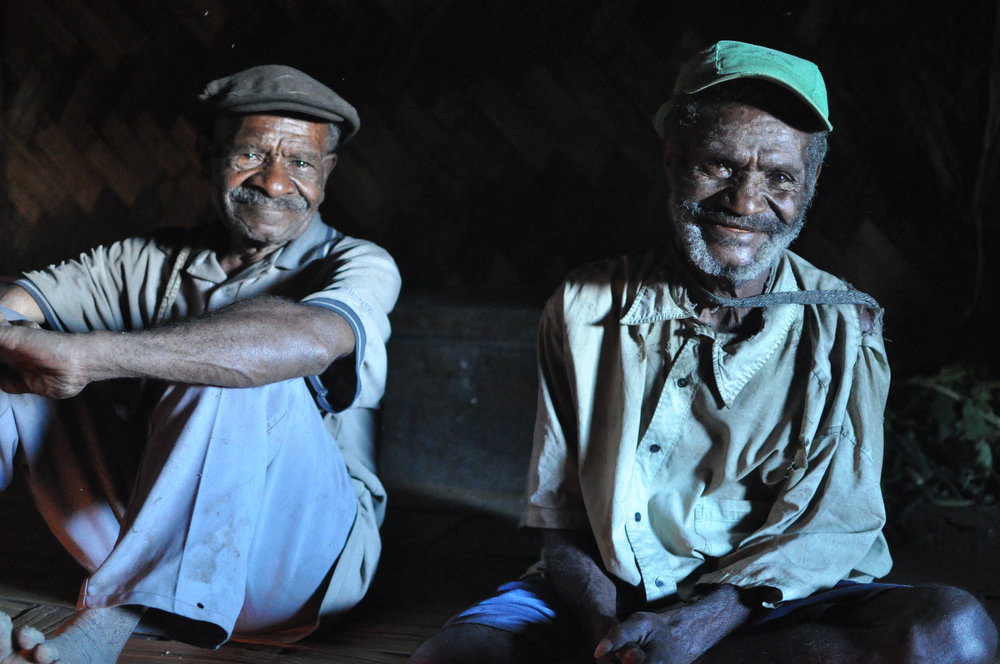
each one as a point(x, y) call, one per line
point(269, 177)
point(739, 192)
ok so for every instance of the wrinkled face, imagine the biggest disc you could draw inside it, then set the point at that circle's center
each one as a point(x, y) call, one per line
point(739, 191)
point(268, 177)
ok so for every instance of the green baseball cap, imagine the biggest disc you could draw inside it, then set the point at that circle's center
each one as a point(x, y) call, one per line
point(730, 60)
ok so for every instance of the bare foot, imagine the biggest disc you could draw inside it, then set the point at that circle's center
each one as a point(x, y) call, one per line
point(92, 636)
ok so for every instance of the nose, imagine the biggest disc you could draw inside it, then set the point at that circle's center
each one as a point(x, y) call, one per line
point(272, 178)
point(745, 196)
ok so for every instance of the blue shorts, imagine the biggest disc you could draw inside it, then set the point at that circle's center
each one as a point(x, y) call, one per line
point(532, 608)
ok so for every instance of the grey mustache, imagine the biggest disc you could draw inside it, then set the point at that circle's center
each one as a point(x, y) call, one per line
point(763, 222)
point(248, 196)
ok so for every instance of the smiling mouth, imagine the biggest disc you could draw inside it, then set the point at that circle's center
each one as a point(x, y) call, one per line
point(730, 230)
point(735, 229)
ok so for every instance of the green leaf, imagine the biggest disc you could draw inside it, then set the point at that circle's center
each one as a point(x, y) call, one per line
point(984, 454)
point(974, 425)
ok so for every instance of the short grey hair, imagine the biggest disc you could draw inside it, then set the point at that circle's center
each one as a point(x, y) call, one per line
point(332, 137)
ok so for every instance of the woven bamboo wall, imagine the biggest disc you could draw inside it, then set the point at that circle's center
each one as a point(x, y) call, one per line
point(503, 142)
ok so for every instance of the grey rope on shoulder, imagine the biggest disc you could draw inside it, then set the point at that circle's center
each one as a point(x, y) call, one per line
point(763, 300)
point(173, 285)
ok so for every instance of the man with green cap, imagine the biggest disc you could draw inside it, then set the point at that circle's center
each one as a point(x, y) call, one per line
point(705, 474)
point(194, 410)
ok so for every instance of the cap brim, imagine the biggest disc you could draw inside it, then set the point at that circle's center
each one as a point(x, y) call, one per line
point(799, 94)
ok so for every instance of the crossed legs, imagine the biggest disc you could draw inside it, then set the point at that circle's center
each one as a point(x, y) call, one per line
point(924, 624)
point(240, 507)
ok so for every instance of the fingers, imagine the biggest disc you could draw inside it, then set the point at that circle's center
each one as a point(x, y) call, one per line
point(630, 640)
point(11, 382)
point(628, 653)
point(634, 631)
point(631, 653)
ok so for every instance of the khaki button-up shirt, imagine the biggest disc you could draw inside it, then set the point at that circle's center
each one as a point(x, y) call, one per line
point(698, 457)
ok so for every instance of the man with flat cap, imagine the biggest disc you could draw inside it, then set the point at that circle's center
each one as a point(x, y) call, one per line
point(195, 410)
point(705, 474)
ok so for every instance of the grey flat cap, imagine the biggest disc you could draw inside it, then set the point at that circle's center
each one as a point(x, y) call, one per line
point(276, 89)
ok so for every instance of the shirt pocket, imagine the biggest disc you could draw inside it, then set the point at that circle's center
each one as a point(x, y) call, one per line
point(722, 524)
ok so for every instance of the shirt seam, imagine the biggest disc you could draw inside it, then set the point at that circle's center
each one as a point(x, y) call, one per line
point(42, 302)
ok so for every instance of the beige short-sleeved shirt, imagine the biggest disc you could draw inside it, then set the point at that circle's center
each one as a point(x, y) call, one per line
point(696, 457)
point(120, 287)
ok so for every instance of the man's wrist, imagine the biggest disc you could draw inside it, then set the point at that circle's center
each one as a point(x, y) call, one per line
point(729, 606)
point(750, 597)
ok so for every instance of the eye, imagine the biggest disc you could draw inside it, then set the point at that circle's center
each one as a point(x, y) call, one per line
point(780, 179)
point(244, 160)
point(717, 169)
point(300, 164)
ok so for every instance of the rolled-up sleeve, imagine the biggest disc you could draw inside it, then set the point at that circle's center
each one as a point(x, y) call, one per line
point(361, 284)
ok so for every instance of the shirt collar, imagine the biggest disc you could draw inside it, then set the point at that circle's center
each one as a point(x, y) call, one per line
point(205, 263)
point(734, 363)
point(302, 249)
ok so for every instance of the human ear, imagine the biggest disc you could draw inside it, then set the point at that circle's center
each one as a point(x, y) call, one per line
point(669, 153)
point(329, 163)
point(819, 169)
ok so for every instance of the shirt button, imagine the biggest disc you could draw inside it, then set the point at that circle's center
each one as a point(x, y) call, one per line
point(654, 448)
point(659, 583)
point(682, 382)
point(638, 517)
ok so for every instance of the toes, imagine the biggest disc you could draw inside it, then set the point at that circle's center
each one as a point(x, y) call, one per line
point(28, 637)
point(6, 626)
point(33, 646)
point(45, 653)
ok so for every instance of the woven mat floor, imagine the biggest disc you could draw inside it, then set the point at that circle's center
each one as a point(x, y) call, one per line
point(437, 559)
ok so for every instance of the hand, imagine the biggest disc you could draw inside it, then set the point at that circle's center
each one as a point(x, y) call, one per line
point(677, 636)
point(651, 638)
point(38, 361)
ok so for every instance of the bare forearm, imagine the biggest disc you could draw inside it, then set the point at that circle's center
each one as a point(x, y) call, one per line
point(251, 343)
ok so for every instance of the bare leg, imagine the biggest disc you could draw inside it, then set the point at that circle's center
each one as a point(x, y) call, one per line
point(922, 624)
point(927, 624)
point(92, 636)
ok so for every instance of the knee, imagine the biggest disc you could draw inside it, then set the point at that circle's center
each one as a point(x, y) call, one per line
point(950, 625)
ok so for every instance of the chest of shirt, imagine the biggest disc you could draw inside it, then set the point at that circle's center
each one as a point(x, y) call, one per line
point(675, 430)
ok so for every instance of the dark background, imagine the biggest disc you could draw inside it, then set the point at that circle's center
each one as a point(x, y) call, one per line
point(504, 142)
